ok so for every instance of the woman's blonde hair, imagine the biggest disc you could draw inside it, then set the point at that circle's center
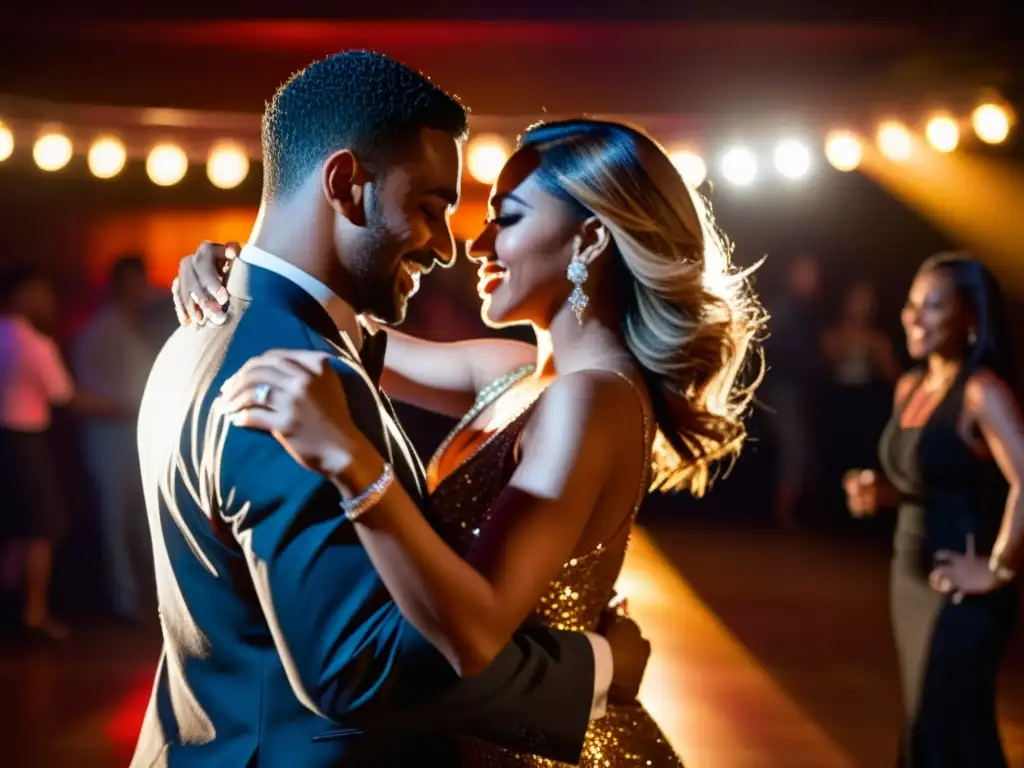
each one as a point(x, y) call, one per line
point(691, 319)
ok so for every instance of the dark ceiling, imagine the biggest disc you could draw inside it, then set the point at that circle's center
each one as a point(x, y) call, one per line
point(696, 58)
point(915, 12)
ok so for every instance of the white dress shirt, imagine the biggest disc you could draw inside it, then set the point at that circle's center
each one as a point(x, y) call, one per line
point(340, 312)
point(345, 320)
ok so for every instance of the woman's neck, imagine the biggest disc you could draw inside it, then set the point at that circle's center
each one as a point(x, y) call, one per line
point(567, 345)
point(942, 369)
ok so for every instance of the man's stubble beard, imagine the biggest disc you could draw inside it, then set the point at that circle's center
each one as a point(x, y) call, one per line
point(378, 263)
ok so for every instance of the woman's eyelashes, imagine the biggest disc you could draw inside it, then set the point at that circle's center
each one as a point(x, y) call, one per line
point(506, 220)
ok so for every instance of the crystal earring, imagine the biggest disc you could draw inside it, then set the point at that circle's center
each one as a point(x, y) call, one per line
point(972, 337)
point(577, 274)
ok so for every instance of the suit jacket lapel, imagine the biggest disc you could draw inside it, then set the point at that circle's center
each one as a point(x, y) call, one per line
point(415, 463)
point(260, 285)
point(397, 439)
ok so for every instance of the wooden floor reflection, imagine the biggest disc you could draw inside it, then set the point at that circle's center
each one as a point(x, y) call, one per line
point(717, 705)
point(774, 649)
point(771, 650)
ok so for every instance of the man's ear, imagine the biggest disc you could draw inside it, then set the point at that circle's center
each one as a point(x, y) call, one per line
point(343, 182)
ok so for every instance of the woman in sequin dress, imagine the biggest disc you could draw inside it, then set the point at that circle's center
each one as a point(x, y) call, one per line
point(633, 383)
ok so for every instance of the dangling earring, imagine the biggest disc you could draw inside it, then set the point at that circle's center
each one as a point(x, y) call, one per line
point(577, 274)
point(972, 337)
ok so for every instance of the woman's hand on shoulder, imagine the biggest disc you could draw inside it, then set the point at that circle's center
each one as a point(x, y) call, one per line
point(199, 289)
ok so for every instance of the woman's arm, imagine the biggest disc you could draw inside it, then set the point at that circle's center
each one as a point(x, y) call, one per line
point(573, 440)
point(991, 404)
point(999, 419)
point(446, 377)
point(534, 528)
point(869, 491)
point(438, 377)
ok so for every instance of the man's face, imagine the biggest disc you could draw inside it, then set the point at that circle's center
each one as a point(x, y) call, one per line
point(407, 227)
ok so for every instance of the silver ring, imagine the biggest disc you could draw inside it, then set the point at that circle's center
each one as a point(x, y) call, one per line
point(262, 395)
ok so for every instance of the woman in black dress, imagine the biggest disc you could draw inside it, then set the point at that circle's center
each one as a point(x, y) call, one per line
point(953, 460)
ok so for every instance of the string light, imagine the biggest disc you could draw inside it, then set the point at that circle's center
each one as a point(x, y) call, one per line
point(166, 164)
point(894, 140)
point(739, 166)
point(792, 159)
point(107, 157)
point(844, 151)
point(991, 123)
point(227, 165)
point(486, 157)
point(691, 167)
point(52, 151)
point(6, 142)
point(943, 133)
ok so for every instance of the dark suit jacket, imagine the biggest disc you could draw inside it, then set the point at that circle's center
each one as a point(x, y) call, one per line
point(281, 645)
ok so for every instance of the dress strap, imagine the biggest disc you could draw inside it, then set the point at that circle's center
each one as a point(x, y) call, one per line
point(645, 410)
point(498, 387)
point(627, 522)
point(487, 395)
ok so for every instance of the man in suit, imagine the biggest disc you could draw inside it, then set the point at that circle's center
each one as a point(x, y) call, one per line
point(281, 645)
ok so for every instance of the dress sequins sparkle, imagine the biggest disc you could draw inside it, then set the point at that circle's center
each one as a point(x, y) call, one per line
point(460, 503)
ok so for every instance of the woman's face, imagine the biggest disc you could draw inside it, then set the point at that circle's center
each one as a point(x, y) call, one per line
point(524, 249)
point(934, 317)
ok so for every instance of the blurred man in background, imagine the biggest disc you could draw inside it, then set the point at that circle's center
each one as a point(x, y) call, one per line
point(112, 358)
point(796, 374)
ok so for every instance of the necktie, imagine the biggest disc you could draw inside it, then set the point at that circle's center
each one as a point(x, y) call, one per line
point(372, 354)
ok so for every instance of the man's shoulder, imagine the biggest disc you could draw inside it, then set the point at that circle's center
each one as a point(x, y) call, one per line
point(193, 360)
point(255, 328)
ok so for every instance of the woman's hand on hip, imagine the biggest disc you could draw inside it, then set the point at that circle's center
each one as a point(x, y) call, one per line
point(963, 574)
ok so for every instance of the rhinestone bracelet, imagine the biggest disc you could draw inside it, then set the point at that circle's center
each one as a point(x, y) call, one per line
point(357, 506)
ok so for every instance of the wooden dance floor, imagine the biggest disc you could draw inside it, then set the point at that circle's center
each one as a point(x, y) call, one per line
point(771, 650)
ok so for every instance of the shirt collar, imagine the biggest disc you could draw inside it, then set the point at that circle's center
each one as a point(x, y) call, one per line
point(343, 316)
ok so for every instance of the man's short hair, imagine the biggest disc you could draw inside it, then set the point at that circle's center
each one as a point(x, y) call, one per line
point(359, 100)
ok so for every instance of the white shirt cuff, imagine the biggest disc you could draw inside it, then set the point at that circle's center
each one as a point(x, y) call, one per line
point(603, 669)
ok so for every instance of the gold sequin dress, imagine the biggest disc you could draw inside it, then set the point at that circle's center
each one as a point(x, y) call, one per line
point(459, 503)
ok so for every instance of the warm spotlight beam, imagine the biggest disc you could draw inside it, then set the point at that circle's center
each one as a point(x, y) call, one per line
point(974, 200)
point(715, 703)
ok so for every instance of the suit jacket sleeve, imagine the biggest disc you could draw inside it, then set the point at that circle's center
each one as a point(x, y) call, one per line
point(348, 652)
